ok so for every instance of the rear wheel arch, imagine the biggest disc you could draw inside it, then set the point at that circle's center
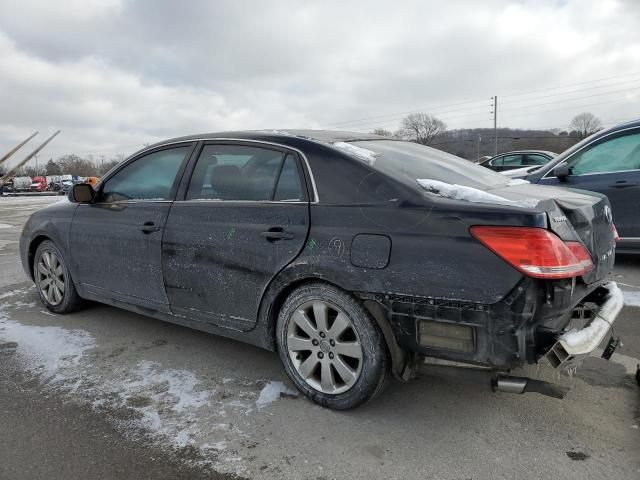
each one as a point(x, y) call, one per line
point(397, 355)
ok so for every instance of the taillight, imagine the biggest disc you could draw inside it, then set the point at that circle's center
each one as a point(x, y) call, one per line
point(536, 252)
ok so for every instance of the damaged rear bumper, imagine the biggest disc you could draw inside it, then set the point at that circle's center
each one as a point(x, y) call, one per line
point(523, 327)
point(575, 344)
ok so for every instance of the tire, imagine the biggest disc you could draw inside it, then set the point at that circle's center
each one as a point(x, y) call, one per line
point(53, 280)
point(331, 348)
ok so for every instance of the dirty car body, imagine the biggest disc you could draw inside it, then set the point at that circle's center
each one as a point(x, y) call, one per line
point(399, 227)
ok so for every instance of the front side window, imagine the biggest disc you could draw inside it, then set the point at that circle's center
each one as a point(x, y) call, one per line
point(617, 154)
point(150, 177)
point(497, 162)
point(239, 172)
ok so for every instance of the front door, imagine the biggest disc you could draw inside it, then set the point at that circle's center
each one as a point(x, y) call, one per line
point(610, 166)
point(244, 217)
point(116, 241)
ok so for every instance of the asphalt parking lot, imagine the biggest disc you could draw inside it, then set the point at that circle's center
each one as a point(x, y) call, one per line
point(105, 393)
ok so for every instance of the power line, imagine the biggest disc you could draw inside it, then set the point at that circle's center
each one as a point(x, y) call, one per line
point(372, 125)
point(634, 81)
point(571, 85)
point(361, 120)
point(626, 90)
point(434, 108)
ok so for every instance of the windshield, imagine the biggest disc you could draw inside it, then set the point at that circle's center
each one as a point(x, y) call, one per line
point(408, 162)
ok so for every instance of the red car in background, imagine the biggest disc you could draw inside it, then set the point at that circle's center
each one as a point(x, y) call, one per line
point(38, 184)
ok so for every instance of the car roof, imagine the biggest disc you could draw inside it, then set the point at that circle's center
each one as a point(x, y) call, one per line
point(282, 135)
point(548, 152)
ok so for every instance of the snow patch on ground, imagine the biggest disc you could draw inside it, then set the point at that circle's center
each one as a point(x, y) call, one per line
point(271, 392)
point(631, 299)
point(177, 408)
point(28, 199)
point(166, 399)
point(6, 225)
point(363, 154)
point(470, 194)
point(12, 293)
point(45, 350)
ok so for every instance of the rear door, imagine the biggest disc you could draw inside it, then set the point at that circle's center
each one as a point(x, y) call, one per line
point(242, 216)
point(115, 241)
point(610, 166)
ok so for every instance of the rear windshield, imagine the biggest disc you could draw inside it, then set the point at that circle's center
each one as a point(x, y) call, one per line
point(407, 162)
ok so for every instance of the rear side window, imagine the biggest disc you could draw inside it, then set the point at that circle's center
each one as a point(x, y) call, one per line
point(289, 188)
point(534, 159)
point(610, 155)
point(238, 172)
point(150, 177)
point(406, 162)
point(512, 160)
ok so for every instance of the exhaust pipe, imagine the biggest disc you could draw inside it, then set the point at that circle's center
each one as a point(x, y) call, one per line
point(521, 385)
point(510, 384)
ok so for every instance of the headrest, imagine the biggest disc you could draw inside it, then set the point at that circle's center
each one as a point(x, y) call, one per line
point(227, 181)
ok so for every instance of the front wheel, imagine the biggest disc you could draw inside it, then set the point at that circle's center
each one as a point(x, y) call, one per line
point(53, 279)
point(331, 348)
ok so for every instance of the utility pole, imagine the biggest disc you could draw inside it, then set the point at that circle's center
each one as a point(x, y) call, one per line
point(495, 122)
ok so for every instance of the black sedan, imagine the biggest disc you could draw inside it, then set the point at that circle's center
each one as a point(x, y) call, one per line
point(607, 162)
point(354, 256)
point(518, 159)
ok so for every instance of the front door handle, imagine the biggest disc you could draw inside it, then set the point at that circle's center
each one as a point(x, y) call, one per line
point(277, 233)
point(150, 227)
point(623, 184)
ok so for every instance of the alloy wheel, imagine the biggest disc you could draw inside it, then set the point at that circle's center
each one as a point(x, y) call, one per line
point(50, 277)
point(324, 347)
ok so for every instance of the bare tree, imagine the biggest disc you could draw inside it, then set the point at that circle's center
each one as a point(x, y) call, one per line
point(383, 132)
point(422, 128)
point(585, 124)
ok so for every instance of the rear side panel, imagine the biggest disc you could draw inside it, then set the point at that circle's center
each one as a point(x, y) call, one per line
point(431, 251)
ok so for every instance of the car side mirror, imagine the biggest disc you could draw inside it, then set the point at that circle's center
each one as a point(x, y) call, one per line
point(561, 172)
point(82, 193)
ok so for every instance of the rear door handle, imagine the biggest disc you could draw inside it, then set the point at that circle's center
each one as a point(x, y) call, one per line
point(277, 233)
point(150, 227)
point(623, 184)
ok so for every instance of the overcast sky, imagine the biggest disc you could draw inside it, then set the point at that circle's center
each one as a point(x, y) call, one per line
point(115, 74)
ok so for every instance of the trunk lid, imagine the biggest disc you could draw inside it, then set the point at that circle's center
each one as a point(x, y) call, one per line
point(573, 215)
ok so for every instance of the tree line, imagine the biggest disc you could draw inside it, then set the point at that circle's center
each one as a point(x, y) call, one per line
point(472, 143)
point(71, 165)
point(469, 143)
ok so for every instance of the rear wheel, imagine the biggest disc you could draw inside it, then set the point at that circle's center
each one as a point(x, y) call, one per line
point(331, 348)
point(53, 279)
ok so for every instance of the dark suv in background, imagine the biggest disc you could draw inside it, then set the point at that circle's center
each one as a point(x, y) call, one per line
point(607, 162)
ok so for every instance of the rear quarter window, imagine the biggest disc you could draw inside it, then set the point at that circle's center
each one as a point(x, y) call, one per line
point(407, 162)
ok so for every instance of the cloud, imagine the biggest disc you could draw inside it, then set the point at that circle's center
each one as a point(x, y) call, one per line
point(116, 74)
